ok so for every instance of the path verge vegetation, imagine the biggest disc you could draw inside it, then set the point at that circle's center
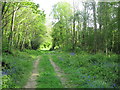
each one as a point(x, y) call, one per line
point(16, 69)
point(91, 71)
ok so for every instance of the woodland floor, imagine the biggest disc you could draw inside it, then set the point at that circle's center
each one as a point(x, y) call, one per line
point(57, 69)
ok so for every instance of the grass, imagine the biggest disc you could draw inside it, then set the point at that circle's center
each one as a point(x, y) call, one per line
point(47, 76)
point(89, 71)
point(83, 70)
point(21, 64)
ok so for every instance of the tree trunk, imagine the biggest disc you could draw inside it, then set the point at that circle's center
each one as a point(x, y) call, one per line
point(3, 7)
point(53, 44)
point(95, 26)
point(22, 47)
point(0, 31)
point(84, 26)
point(85, 17)
point(73, 38)
point(118, 46)
point(12, 29)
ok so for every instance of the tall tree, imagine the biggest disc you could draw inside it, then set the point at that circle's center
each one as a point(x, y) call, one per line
point(61, 13)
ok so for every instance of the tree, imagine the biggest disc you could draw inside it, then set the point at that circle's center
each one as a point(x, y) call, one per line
point(61, 13)
point(19, 27)
point(79, 30)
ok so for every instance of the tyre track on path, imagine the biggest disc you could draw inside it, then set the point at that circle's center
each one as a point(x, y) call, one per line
point(32, 79)
point(60, 74)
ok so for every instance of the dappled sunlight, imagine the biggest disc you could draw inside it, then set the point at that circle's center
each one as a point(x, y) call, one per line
point(35, 74)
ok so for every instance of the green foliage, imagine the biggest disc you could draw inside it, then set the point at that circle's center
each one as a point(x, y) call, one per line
point(35, 43)
point(75, 29)
point(4, 45)
point(6, 80)
point(61, 12)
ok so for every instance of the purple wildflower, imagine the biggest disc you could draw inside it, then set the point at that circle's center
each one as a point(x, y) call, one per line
point(4, 73)
point(60, 58)
point(84, 76)
point(114, 85)
point(72, 53)
point(94, 76)
point(88, 76)
point(88, 80)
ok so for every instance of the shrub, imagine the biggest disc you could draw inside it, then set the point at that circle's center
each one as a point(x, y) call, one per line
point(35, 43)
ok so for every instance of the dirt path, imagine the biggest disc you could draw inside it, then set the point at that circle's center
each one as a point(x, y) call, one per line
point(60, 74)
point(32, 80)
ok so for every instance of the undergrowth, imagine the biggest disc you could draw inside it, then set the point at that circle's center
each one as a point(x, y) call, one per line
point(89, 71)
point(17, 69)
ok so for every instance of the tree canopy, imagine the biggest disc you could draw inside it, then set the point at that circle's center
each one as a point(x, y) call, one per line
point(23, 25)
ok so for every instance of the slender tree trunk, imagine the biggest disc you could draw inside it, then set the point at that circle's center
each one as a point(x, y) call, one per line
point(3, 7)
point(23, 42)
point(85, 17)
point(84, 26)
point(106, 27)
point(78, 33)
point(73, 47)
point(0, 31)
point(67, 33)
point(118, 46)
point(53, 44)
point(18, 41)
point(73, 36)
point(100, 16)
point(11, 32)
point(95, 26)
point(12, 27)
point(4, 11)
